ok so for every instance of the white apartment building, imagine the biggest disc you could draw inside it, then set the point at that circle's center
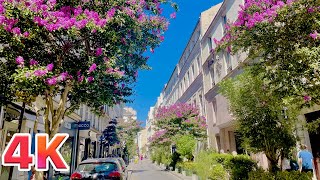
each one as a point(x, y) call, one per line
point(198, 72)
point(186, 81)
point(217, 67)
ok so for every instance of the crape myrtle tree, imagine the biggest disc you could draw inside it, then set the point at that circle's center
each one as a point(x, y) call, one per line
point(180, 119)
point(265, 123)
point(174, 122)
point(76, 52)
point(282, 43)
point(282, 37)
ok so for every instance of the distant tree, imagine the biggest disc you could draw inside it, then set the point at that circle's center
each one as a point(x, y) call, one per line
point(127, 133)
point(180, 119)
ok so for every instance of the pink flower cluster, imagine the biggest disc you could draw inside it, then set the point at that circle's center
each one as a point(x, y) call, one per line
point(157, 135)
point(177, 110)
point(40, 72)
point(115, 71)
point(188, 113)
point(314, 35)
point(53, 18)
point(257, 11)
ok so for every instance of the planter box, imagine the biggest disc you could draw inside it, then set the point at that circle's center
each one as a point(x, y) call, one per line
point(195, 177)
point(184, 173)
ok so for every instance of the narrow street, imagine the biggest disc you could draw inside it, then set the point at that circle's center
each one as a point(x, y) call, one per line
point(146, 170)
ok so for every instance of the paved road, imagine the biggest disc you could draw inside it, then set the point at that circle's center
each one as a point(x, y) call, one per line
point(145, 170)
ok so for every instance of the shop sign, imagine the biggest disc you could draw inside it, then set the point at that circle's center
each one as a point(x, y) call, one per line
point(84, 125)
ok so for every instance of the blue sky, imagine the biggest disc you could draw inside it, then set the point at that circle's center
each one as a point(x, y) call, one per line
point(163, 60)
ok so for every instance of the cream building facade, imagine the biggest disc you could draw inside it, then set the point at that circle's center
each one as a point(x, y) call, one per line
point(195, 79)
point(80, 145)
point(199, 70)
point(142, 142)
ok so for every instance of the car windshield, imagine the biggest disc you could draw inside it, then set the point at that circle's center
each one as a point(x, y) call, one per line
point(97, 167)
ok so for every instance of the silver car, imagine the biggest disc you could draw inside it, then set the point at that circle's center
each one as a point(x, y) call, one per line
point(99, 169)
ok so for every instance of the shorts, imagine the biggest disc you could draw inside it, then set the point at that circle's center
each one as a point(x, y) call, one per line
point(307, 170)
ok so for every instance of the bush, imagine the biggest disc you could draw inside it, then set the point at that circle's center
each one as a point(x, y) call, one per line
point(203, 163)
point(186, 145)
point(296, 175)
point(261, 175)
point(161, 155)
point(189, 166)
point(281, 175)
point(218, 172)
point(223, 166)
point(240, 166)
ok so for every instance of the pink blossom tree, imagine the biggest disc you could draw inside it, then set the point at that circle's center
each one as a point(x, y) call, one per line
point(282, 37)
point(76, 52)
point(176, 120)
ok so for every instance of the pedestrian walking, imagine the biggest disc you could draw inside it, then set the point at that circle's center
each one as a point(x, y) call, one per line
point(305, 160)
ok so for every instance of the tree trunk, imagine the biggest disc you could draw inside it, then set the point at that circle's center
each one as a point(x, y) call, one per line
point(53, 117)
point(273, 162)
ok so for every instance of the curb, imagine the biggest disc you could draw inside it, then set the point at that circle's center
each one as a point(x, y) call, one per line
point(176, 175)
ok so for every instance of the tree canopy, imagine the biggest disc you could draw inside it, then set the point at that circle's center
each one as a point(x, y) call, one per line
point(282, 38)
point(79, 52)
point(264, 122)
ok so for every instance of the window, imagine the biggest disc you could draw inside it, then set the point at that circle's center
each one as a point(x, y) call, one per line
point(201, 104)
point(212, 75)
point(199, 63)
point(215, 107)
point(210, 44)
point(197, 36)
point(228, 62)
point(224, 23)
point(188, 77)
point(224, 19)
point(192, 72)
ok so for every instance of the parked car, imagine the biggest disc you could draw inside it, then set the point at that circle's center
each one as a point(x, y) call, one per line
point(99, 169)
point(122, 163)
